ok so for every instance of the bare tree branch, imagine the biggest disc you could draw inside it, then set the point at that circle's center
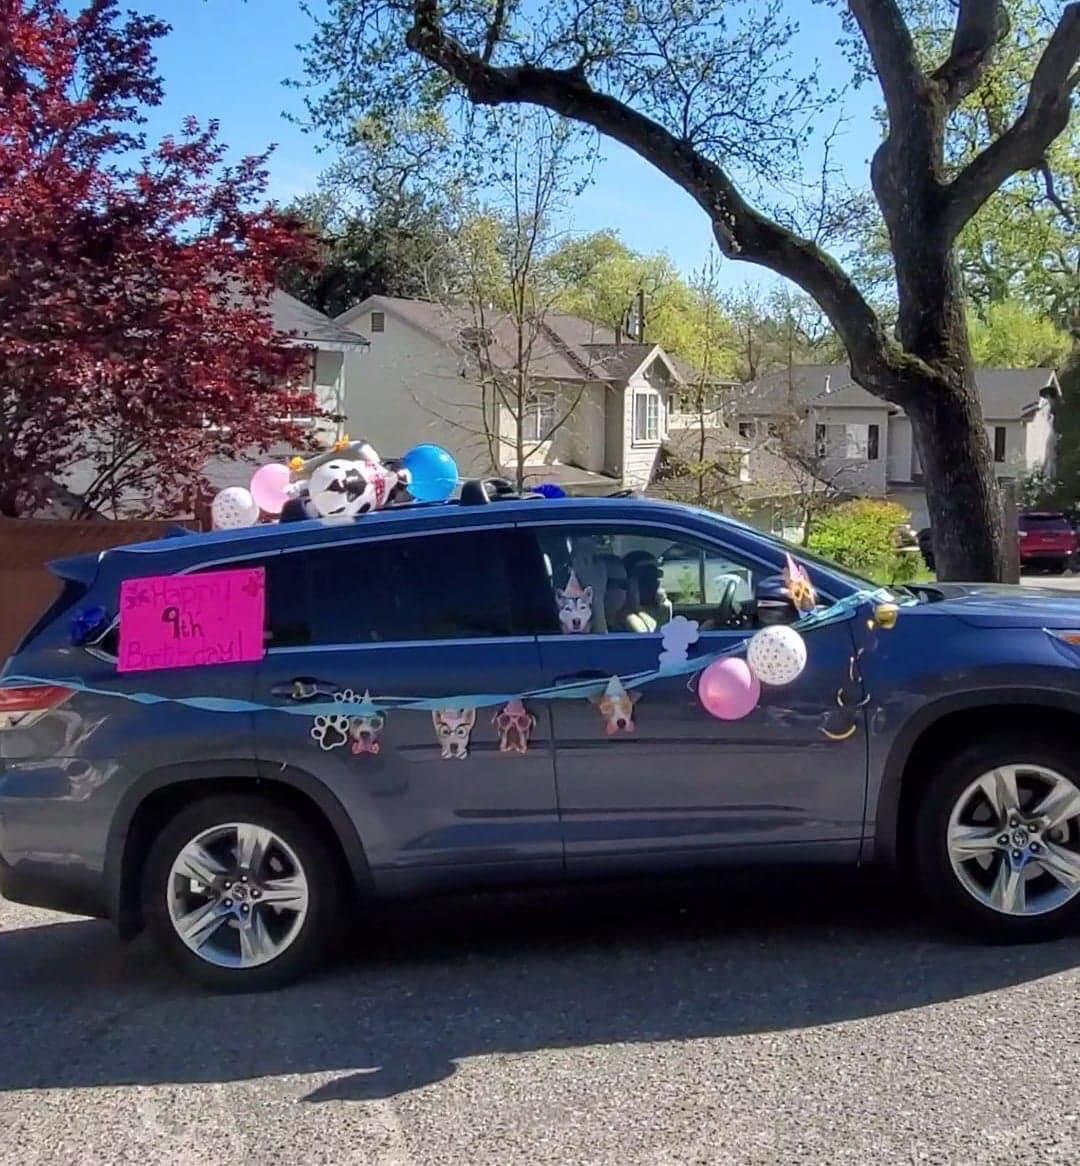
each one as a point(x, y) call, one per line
point(1023, 146)
point(1052, 195)
point(742, 232)
point(981, 26)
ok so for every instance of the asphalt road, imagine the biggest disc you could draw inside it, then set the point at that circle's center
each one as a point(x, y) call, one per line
point(817, 1019)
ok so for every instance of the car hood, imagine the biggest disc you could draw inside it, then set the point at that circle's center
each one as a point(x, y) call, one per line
point(1006, 605)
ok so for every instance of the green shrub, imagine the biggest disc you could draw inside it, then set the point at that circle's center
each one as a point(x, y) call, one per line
point(862, 536)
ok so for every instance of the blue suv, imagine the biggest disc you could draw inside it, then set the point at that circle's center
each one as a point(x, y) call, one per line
point(447, 700)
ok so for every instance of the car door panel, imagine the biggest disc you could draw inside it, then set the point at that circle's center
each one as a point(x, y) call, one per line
point(683, 779)
point(419, 800)
point(681, 782)
point(413, 806)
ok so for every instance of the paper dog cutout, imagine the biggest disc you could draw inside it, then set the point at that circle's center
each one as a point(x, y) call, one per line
point(676, 636)
point(515, 724)
point(616, 706)
point(453, 728)
point(364, 729)
point(798, 586)
point(575, 607)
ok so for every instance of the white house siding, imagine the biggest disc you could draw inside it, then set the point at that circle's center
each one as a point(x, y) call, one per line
point(639, 458)
point(856, 475)
point(900, 449)
point(580, 442)
point(1039, 441)
point(410, 390)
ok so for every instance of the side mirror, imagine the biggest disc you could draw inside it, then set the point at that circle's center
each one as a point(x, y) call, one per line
point(772, 605)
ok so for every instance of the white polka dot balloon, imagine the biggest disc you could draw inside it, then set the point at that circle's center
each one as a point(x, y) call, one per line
point(776, 655)
point(233, 508)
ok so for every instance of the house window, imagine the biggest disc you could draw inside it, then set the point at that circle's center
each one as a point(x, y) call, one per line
point(850, 442)
point(746, 429)
point(538, 421)
point(378, 322)
point(646, 417)
point(999, 443)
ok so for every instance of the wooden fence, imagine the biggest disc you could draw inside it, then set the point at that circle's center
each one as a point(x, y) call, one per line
point(26, 545)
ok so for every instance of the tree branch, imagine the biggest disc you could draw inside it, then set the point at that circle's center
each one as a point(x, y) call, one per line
point(892, 50)
point(980, 27)
point(495, 30)
point(742, 232)
point(1023, 146)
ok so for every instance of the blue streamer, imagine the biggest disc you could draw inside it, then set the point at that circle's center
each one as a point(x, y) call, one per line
point(841, 610)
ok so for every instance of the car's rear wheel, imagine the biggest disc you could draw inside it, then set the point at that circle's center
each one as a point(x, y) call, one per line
point(240, 892)
point(997, 842)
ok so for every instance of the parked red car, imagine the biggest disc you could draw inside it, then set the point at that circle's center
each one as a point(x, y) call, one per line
point(1047, 539)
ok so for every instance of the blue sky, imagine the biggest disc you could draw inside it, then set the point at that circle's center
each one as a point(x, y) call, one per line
point(228, 58)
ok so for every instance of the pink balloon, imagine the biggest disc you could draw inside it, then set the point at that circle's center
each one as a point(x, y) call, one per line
point(268, 487)
point(728, 689)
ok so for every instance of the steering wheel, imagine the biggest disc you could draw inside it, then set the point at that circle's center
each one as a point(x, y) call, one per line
point(725, 609)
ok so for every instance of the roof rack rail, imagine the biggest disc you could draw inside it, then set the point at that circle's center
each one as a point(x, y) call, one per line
point(481, 491)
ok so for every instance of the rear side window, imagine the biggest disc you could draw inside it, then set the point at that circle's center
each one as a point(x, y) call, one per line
point(1043, 522)
point(431, 587)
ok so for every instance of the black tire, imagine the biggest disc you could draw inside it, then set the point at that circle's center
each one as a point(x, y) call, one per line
point(319, 865)
point(940, 883)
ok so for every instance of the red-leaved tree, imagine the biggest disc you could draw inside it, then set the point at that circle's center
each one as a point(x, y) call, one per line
point(135, 341)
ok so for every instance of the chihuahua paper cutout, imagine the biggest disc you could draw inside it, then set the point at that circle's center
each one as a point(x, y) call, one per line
point(616, 706)
point(365, 727)
point(453, 728)
point(515, 724)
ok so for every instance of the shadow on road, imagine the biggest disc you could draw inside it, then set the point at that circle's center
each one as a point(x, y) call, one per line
point(425, 985)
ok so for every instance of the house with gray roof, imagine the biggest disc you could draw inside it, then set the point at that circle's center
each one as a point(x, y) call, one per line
point(595, 407)
point(865, 444)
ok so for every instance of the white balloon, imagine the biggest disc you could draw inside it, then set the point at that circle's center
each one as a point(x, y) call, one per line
point(776, 655)
point(233, 508)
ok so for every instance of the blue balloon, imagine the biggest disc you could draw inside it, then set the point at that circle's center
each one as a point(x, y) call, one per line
point(433, 473)
point(549, 490)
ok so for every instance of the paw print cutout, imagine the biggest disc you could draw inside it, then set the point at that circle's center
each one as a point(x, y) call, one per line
point(346, 696)
point(330, 732)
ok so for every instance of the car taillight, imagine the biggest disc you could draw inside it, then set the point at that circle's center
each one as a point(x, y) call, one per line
point(21, 707)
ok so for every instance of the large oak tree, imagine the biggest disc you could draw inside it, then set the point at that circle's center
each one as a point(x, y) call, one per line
point(706, 93)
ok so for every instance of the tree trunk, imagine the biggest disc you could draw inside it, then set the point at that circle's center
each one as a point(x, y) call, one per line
point(961, 489)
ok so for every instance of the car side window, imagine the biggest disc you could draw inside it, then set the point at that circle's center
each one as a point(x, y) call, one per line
point(627, 579)
point(426, 587)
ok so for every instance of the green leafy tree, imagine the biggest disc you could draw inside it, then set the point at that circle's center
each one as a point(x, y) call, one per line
point(1012, 335)
point(862, 536)
point(1024, 243)
point(707, 94)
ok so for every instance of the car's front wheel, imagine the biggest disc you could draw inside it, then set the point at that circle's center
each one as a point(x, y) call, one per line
point(240, 891)
point(997, 840)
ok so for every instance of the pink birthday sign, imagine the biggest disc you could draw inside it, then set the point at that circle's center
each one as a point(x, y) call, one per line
point(192, 621)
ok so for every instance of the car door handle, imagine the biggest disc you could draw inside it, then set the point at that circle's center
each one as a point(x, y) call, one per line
point(587, 674)
point(304, 688)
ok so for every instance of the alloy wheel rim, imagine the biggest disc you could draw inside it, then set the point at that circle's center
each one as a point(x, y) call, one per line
point(1013, 840)
point(237, 895)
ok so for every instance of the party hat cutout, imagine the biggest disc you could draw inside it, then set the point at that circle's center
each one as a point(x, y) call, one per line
point(799, 588)
point(573, 588)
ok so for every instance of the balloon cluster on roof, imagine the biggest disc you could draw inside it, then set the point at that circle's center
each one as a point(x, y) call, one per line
point(346, 481)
